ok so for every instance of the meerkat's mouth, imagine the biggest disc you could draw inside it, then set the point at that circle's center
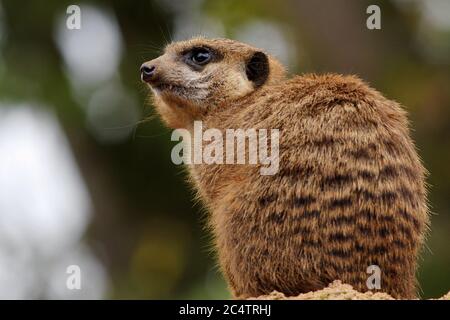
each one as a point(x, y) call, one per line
point(171, 89)
point(167, 87)
point(161, 86)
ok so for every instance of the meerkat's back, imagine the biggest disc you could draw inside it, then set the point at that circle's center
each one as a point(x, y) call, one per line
point(349, 192)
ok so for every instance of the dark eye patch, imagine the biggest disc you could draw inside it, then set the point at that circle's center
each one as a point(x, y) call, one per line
point(201, 56)
point(198, 57)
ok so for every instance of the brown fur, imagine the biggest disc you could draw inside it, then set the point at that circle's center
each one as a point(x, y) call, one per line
point(349, 193)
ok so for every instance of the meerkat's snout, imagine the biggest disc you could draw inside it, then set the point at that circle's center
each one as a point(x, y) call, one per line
point(147, 72)
point(152, 72)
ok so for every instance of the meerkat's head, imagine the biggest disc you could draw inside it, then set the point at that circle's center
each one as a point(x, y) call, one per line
point(193, 77)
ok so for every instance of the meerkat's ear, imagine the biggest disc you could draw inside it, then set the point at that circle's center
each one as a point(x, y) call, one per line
point(257, 68)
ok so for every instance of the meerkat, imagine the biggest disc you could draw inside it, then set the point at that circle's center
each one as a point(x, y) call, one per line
point(350, 190)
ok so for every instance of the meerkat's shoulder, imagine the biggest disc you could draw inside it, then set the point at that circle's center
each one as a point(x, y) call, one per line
point(311, 89)
point(327, 84)
point(325, 91)
point(344, 95)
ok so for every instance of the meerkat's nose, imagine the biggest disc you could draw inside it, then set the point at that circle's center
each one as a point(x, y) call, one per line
point(147, 72)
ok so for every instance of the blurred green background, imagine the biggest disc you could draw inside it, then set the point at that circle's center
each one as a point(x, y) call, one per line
point(85, 170)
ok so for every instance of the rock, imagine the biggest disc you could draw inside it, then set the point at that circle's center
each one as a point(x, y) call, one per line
point(335, 291)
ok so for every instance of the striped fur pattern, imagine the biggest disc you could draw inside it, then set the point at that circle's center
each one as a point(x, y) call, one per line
point(349, 193)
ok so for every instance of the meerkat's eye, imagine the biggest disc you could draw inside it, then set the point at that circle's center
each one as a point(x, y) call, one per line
point(200, 56)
